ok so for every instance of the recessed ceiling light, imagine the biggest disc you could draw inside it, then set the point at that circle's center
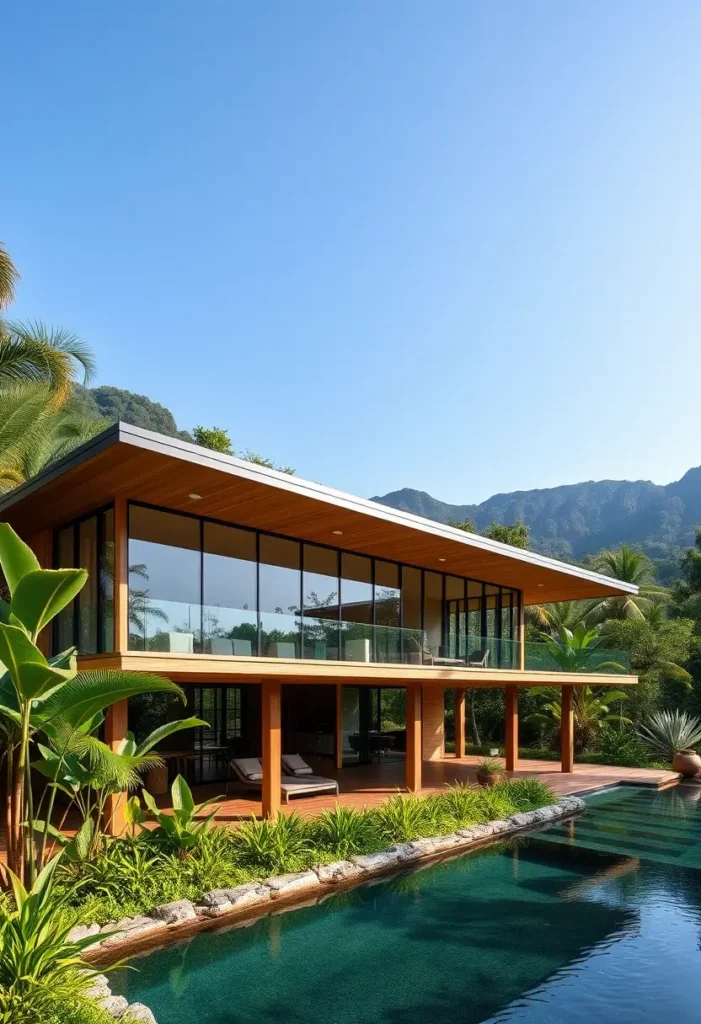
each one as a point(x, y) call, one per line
point(195, 497)
point(337, 533)
point(541, 584)
point(441, 559)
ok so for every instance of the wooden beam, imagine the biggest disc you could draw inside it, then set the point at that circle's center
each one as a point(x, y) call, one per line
point(116, 728)
point(413, 737)
point(511, 740)
point(272, 747)
point(338, 749)
point(567, 729)
point(121, 575)
point(460, 735)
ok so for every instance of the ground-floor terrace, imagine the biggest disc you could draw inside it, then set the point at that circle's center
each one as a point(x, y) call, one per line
point(374, 734)
point(370, 785)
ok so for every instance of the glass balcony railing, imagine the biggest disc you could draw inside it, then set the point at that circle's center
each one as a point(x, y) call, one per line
point(540, 658)
point(175, 628)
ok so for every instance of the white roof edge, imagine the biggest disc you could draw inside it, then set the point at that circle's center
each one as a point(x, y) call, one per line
point(284, 481)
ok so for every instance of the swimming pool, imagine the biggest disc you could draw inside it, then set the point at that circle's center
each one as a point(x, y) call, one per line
point(596, 919)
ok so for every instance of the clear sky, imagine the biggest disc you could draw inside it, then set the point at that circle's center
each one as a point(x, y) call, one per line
point(443, 244)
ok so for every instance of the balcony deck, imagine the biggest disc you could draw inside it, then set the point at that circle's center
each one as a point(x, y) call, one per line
point(186, 668)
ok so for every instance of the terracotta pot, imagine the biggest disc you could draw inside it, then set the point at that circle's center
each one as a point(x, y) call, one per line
point(687, 763)
point(489, 780)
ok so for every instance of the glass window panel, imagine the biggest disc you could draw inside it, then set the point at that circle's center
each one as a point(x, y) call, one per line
point(387, 594)
point(87, 598)
point(474, 589)
point(356, 588)
point(433, 610)
point(411, 597)
point(321, 602)
point(164, 582)
point(230, 612)
point(454, 588)
point(107, 581)
point(65, 559)
point(279, 597)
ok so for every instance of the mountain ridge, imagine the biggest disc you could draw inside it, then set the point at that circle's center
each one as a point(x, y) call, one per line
point(572, 521)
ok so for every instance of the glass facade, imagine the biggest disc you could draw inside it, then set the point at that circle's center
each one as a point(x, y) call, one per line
point(202, 586)
point(87, 623)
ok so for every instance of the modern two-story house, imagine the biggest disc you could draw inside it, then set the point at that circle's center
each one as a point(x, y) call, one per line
point(297, 618)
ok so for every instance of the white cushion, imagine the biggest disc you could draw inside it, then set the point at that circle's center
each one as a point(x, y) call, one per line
point(294, 763)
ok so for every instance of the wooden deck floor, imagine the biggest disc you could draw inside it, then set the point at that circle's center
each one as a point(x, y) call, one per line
point(371, 785)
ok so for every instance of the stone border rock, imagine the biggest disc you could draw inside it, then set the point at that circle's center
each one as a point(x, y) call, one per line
point(254, 899)
point(117, 1006)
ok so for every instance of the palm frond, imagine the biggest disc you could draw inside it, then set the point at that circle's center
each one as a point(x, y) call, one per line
point(9, 277)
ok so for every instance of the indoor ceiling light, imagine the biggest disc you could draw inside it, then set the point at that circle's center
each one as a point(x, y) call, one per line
point(195, 497)
point(441, 559)
point(337, 533)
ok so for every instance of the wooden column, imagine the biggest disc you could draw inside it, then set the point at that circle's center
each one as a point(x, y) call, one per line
point(339, 726)
point(272, 747)
point(511, 740)
point(116, 727)
point(459, 723)
point(433, 723)
point(413, 737)
point(567, 729)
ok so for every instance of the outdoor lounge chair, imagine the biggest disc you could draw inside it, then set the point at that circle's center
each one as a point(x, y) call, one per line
point(479, 659)
point(249, 772)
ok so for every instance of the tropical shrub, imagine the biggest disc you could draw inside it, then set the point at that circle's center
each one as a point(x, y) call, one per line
point(277, 845)
point(345, 831)
point(38, 965)
point(182, 830)
point(665, 733)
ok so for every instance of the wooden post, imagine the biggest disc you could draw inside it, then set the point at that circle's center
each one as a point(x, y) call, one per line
point(433, 723)
point(511, 741)
point(116, 728)
point(413, 737)
point(567, 729)
point(339, 726)
point(272, 747)
point(121, 576)
point(459, 723)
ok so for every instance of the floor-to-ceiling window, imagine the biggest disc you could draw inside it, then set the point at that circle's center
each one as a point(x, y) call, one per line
point(230, 592)
point(198, 585)
point(165, 611)
point(87, 622)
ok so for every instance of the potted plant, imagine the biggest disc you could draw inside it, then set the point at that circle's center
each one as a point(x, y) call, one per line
point(489, 772)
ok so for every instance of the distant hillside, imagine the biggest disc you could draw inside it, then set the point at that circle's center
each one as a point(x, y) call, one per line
point(576, 520)
point(113, 404)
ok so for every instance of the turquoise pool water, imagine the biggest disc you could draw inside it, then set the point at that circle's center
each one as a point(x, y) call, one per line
point(598, 919)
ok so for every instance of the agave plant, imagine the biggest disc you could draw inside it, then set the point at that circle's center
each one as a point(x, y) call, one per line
point(667, 732)
point(38, 964)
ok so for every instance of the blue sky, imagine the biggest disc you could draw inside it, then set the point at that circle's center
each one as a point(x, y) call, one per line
point(453, 246)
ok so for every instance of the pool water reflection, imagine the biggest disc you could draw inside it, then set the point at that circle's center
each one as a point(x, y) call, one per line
point(594, 919)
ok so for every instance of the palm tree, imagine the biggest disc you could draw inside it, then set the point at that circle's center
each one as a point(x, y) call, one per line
point(631, 567)
point(591, 710)
point(8, 278)
point(32, 352)
point(33, 433)
point(567, 614)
